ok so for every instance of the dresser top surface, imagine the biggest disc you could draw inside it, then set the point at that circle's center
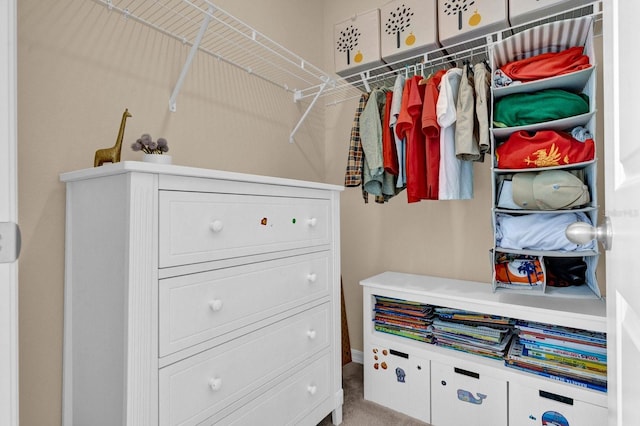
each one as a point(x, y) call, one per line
point(110, 169)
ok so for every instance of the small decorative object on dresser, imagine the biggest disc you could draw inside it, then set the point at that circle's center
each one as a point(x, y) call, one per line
point(153, 150)
point(112, 155)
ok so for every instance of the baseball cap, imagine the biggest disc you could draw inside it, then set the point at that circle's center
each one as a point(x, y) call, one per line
point(549, 190)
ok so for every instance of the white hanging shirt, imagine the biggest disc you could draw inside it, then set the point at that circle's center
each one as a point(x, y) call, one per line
point(455, 176)
point(396, 104)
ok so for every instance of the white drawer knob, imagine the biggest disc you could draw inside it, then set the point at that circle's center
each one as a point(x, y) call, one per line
point(215, 304)
point(215, 383)
point(312, 278)
point(312, 222)
point(216, 226)
point(311, 334)
point(312, 389)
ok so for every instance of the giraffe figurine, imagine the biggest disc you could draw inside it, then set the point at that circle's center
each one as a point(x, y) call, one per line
point(112, 155)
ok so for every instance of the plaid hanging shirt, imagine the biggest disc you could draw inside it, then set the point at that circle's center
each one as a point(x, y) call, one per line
point(355, 159)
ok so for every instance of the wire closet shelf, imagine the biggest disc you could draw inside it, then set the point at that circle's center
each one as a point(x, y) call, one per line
point(206, 28)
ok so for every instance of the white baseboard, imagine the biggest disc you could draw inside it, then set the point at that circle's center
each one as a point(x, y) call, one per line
point(357, 356)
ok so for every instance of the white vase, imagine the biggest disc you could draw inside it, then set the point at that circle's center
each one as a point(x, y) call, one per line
point(157, 158)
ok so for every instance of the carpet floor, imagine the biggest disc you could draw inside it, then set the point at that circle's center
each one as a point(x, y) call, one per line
point(358, 412)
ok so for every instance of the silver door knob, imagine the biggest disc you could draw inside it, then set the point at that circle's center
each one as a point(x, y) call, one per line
point(582, 233)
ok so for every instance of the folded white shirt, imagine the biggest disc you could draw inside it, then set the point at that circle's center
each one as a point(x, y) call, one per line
point(505, 196)
point(539, 231)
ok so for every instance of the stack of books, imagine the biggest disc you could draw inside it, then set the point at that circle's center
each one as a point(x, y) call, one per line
point(569, 355)
point(403, 318)
point(472, 332)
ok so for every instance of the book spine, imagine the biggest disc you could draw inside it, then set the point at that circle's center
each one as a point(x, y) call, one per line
point(516, 355)
point(564, 351)
point(563, 379)
point(563, 343)
point(587, 365)
point(561, 333)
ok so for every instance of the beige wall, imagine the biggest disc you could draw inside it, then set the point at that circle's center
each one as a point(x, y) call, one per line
point(79, 66)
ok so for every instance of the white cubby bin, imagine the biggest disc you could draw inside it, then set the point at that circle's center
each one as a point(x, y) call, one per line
point(530, 406)
point(523, 11)
point(397, 379)
point(464, 394)
point(356, 43)
point(461, 20)
point(408, 28)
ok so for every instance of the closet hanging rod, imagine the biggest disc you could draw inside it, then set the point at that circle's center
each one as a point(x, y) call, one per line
point(368, 81)
point(429, 59)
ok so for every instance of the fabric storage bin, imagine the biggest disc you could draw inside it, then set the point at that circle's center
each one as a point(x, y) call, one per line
point(519, 272)
point(408, 28)
point(551, 37)
point(356, 43)
point(531, 406)
point(398, 380)
point(577, 77)
point(460, 20)
point(522, 11)
point(465, 396)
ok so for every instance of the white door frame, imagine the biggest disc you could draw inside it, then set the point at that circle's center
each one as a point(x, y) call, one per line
point(9, 410)
point(622, 186)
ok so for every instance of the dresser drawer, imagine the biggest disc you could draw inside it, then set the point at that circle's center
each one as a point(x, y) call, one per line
point(196, 388)
point(201, 227)
point(198, 307)
point(289, 402)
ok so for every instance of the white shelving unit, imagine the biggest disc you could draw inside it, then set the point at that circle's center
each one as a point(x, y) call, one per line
point(583, 81)
point(437, 381)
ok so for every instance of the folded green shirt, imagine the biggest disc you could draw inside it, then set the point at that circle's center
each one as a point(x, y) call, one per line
point(521, 109)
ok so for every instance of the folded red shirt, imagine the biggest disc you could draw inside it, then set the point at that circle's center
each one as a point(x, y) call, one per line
point(547, 65)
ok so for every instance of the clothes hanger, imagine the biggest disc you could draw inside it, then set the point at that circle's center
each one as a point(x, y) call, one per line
point(486, 64)
point(425, 80)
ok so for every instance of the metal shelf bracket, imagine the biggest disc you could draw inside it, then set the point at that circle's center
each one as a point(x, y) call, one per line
point(296, 97)
point(192, 53)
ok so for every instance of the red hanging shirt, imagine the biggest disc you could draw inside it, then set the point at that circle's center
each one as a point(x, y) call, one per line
point(431, 130)
point(409, 126)
point(389, 153)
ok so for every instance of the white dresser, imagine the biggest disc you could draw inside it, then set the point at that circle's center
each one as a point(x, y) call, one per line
point(196, 296)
